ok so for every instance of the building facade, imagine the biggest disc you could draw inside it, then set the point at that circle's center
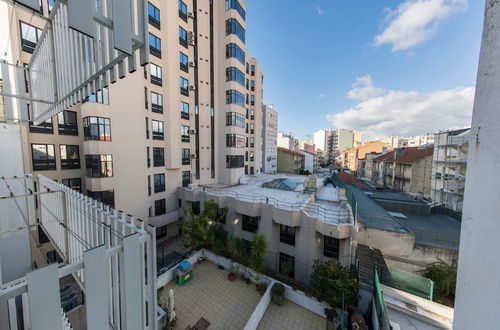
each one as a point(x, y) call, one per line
point(192, 115)
point(310, 160)
point(401, 142)
point(290, 161)
point(449, 167)
point(269, 139)
point(350, 158)
point(334, 141)
point(407, 170)
point(287, 141)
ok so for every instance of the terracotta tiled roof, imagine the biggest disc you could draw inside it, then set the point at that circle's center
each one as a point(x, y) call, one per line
point(290, 152)
point(312, 153)
point(410, 155)
point(346, 177)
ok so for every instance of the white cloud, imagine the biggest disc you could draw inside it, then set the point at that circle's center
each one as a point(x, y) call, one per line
point(319, 11)
point(364, 89)
point(416, 21)
point(407, 113)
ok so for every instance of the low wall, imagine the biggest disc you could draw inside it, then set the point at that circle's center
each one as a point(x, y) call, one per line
point(168, 276)
point(260, 309)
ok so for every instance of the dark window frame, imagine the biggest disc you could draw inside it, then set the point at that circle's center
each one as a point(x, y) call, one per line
point(160, 207)
point(99, 165)
point(250, 224)
point(235, 161)
point(73, 183)
point(68, 163)
point(186, 156)
point(234, 27)
point(44, 164)
point(184, 86)
point(105, 196)
point(331, 247)
point(26, 44)
point(157, 133)
point(184, 113)
point(233, 50)
point(287, 235)
point(159, 182)
point(283, 257)
point(158, 156)
point(64, 124)
point(99, 125)
point(154, 20)
point(183, 37)
point(155, 48)
point(186, 178)
point(155, 107)
point(155, 79)
point(185, 137)
point(184, 62)
point(183, 11)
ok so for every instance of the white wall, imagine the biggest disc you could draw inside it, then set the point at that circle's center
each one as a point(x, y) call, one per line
point(15, 252)
point(308, 161)
point(478, 290)
point(319, 139)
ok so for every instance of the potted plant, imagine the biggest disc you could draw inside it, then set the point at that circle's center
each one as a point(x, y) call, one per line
point(262, 287)
point(278, 291)
point(331, 317)
point(232, 274)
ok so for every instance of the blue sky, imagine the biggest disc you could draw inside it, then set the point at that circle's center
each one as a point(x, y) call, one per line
point(416, 61)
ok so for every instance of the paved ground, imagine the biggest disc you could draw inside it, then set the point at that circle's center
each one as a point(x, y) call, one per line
point(290, 316)
point(225, 304)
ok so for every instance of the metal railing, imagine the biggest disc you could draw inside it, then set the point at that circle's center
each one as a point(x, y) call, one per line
point(337, 217)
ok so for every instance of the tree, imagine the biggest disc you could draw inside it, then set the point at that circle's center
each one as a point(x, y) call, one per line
point(333, 283)
point(204, 230)
point(444, 275)
point(258, 249)
point(238, 249)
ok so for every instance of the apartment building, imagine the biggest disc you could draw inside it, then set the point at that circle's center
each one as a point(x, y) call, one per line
point(290, 161)
point(192, 115)
point(449, 167)
point(407, 170)
point(300, 225)
point(269, 139)
point(287, 141)
point(350, 158)
point(401, 142)
point(334, 141)
point(310, 160)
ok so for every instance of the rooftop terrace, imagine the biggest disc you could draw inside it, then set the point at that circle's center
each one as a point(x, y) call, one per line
point(323, 203)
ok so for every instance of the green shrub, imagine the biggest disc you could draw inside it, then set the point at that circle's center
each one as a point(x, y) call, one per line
point(278, 289)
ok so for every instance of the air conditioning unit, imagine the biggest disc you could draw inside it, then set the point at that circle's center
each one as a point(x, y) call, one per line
point(193, 156)
point(191, 64)
point(190, 15)
point(193, 185)
point(191, 88)
point(193, 131)
point(191, 42)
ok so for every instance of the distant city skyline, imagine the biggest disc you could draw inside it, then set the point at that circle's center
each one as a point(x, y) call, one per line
point(373, 70)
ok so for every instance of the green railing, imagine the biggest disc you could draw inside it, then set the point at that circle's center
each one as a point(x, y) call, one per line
point(412, 283)
point(379, 303)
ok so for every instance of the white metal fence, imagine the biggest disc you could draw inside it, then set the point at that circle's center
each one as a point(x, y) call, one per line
point(112, 256)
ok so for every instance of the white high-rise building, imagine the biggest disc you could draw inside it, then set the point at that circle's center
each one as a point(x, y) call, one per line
point(269, 139)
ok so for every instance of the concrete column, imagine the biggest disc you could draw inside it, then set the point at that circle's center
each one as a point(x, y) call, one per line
point(478, 289)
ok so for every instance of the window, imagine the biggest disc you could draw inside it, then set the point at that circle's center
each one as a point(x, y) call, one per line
point(248, 68)
point(99, 166)
point(287, 265)
point(46, 127)
point(160, 207)
point(233, 74)
point(235, 141)
point(149, 185)
point(70, 157)
point(42, 236)
point(155, 74)
point(250, 224)
point(154, 16)
point(106, 197)
point(66, 122)
point(232, 50)
point(145, 98)
point(43, 157)
point(252, 85)
point(186, 178)
point(196, 208)
point(186, 155)
point(158, 156)
point(101, 96)
point(154, 45)
point(234, 161)
point(184, 133)
point(161, 232)
point(184, 84)
point(251, 156)
point(252, 99)
point(156, 102)
point(184, 110)
point(234, 27)
point(235, 119)
point(183, 10)
point(252, 130)
point(74, 183)
point(97, 128)
point(183, 37)
point(235, 4)
point(252, 142)
point(252, 112)
point(184, 60)
point(331, 247)
point(287, 235)
point(147, 157)
point(235, 97)
point(159, 181)
point(29, 37)
point(157, 129)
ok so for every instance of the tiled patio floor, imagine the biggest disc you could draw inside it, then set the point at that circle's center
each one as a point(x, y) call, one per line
point(225, 304)
point(290, 316)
